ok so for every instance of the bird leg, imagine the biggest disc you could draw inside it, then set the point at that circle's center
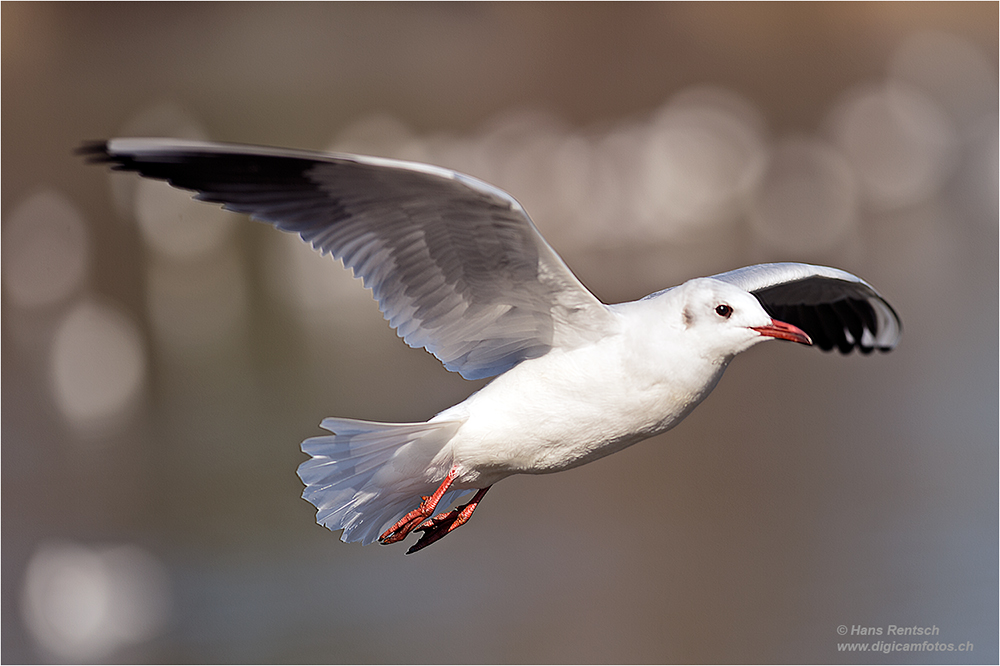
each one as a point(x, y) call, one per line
point(413, 519)
point(443, 524)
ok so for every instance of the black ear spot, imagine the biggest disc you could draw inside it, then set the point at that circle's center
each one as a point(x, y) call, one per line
point(688, 318)
point(724, 311)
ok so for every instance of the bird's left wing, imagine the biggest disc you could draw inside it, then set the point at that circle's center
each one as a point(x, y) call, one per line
point(456, 264)
point(835, 308)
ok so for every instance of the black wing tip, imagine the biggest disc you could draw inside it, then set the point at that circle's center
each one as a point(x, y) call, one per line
point(839, 326)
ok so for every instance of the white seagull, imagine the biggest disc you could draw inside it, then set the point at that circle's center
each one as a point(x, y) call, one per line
point(458, 268)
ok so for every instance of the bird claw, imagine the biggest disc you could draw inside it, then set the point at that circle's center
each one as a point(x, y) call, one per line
point(438, 527)
point(415, 518)
point(443, 524)
point(403, 527)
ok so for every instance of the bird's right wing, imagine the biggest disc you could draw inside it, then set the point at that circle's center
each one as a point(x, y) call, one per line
point(835, 308)
point(456, 264)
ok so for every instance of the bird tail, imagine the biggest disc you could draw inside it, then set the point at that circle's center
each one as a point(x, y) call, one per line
point(367, 475)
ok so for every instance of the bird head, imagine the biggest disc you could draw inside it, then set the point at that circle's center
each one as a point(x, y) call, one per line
point(726, 320)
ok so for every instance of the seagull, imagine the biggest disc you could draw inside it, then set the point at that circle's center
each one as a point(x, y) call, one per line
point(458, 268)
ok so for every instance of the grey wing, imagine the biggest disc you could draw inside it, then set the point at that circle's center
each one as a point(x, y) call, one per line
point(456, 264)
point(835, 308)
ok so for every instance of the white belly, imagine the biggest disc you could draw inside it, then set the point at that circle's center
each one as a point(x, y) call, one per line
point(566, 409)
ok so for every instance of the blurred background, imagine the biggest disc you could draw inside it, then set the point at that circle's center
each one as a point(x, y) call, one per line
point(162, 359)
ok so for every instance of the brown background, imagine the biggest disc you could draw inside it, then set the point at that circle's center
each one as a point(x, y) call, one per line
point(809, 491)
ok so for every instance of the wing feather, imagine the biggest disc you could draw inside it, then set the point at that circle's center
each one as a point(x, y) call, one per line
point(456, 265)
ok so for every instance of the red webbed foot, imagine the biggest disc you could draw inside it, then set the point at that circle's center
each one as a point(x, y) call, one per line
point(413, 519)
point(444, 524)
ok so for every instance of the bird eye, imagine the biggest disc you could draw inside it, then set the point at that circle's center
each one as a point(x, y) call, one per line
point(723, 310)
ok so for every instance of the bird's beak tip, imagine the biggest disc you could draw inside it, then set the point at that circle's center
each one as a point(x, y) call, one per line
point(783, 331)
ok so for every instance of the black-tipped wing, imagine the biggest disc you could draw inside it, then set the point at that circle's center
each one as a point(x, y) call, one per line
point(456, 264)
point(835, 308)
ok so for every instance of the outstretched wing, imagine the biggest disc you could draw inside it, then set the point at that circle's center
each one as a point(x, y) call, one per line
point(456, 264)
point(835, 308)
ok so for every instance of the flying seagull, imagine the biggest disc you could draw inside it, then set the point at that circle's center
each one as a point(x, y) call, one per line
point(458, 268)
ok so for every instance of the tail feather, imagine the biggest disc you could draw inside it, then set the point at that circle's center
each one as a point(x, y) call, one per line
point(367, 475)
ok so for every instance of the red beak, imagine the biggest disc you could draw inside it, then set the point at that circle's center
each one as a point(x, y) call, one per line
point(783, 331)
